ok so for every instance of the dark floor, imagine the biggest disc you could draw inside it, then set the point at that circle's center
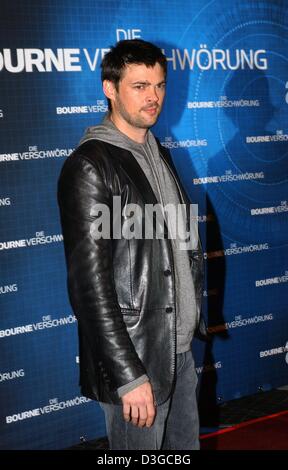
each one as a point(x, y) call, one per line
point(228, 414)
point(253, 406)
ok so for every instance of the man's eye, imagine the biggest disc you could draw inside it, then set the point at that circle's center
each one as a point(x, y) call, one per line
point(140, 87)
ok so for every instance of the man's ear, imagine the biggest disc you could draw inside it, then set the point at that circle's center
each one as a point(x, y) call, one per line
point(109, 89)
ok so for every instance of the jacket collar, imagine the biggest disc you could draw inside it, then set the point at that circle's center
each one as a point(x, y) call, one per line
point(132, 168)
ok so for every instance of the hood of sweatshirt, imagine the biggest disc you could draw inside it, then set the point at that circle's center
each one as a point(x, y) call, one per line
point(108, 132)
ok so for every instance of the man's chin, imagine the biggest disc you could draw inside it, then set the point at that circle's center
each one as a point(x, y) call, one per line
point(147, 123)
point(152, 120)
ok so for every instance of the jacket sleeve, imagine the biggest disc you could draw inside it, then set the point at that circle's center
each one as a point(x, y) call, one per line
point(89, 261)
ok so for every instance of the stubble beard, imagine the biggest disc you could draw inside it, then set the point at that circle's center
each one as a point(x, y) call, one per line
point(135, 121)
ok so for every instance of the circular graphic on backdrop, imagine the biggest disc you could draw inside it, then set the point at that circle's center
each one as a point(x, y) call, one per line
point(241, 107)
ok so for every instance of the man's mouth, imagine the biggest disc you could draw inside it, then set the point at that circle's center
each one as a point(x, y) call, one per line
point(151, 110)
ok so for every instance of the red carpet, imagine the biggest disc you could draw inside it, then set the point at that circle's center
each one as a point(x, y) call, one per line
point(267, 433)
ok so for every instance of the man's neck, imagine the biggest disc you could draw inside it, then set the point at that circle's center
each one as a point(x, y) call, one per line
point(134, 133)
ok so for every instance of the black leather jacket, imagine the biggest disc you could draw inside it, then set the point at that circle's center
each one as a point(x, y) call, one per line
point(121, 291)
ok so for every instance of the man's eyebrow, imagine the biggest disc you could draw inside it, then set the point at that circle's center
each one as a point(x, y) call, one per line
point(140, 82)
point(145, 82)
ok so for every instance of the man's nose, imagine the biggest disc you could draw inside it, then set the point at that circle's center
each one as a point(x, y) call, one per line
point(152, 96)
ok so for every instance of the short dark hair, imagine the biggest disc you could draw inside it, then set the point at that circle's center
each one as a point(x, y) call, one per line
point(130, 51)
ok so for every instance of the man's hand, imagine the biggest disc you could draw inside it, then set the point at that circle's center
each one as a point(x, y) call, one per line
point(139, 407)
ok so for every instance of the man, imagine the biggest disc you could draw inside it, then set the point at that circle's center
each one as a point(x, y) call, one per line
point(137, 299)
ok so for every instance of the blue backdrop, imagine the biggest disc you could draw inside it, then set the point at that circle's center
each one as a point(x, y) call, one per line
point(225, 121)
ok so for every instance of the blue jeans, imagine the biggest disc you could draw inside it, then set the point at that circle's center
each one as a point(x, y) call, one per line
point(176, 426)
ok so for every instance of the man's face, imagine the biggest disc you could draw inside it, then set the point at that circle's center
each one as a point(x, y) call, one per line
point(139, 98)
